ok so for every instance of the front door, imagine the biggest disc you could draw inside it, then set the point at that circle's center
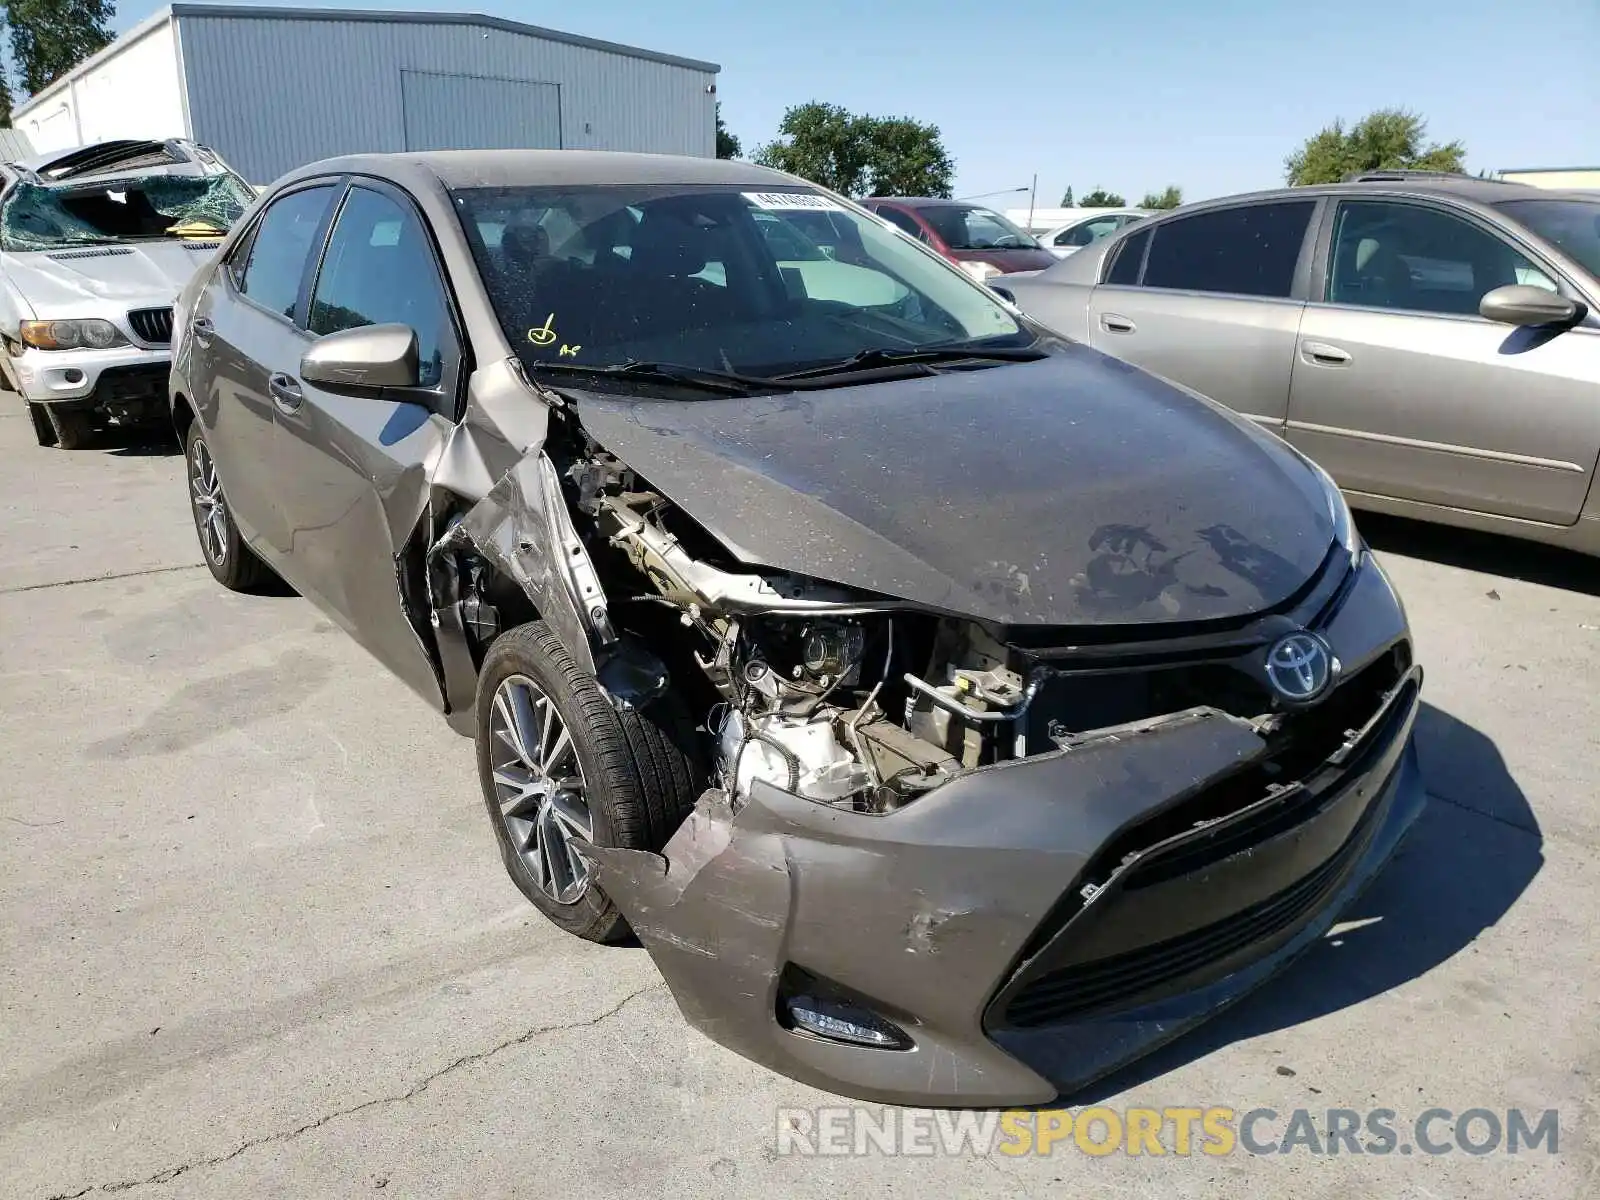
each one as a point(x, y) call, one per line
point(355, 462)
point(1402, 390)
point(1214, 305)
point(243, 320)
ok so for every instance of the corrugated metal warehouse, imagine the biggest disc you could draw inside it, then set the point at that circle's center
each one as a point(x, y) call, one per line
point(272, 88)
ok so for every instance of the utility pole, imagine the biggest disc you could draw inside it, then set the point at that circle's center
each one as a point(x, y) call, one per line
point(1033, 194)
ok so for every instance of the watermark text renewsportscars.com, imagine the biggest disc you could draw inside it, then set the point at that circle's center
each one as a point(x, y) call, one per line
point(860, 1130)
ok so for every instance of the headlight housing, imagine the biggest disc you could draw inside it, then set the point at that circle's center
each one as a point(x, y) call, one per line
point(981, 271)
point(90, 333)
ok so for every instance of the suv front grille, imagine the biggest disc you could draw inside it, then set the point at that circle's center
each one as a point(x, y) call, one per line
point(152, 326)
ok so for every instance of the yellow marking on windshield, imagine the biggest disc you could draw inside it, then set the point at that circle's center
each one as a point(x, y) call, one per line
point(543, 335)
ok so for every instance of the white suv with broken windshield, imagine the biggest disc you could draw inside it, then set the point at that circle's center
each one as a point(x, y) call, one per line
point(95, 244)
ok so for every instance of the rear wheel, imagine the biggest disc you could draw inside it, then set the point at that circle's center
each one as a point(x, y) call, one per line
point(558, 763)
point(232, 563)
point(43, 429)
point(74, 427)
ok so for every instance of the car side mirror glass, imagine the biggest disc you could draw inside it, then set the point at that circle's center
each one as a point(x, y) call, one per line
point(371, 356)
point(1524, 304)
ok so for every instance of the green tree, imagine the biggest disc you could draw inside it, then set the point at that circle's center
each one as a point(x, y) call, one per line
point(5, 100)
point(1169, 197)
point(50, 37)
point(1387, 140)
point(1100, 198)
point(908, 159)
point(727, 143)
point(1066, 199)
point(860, 155)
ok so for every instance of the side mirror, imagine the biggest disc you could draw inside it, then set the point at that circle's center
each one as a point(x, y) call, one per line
point(1522, 304)
point(372, 356)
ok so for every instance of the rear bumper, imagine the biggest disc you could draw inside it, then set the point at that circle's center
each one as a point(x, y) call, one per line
point(1036, 924)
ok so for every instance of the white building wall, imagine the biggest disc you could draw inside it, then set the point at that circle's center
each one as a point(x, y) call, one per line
point(132, 89)
point(272, 92)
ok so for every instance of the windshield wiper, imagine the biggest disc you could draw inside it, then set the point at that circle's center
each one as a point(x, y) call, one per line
point(727, 383)
point(881, 357)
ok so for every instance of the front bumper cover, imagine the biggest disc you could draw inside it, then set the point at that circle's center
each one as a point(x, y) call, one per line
point(965, 920)
point(71, 376)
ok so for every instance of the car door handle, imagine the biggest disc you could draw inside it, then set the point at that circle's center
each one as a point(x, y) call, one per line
point(1112, 323)
point(202, 329)
point(285, 391)
point(1324, 355)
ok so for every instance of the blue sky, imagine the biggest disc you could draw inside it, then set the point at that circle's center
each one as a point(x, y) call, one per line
point(1127, 94)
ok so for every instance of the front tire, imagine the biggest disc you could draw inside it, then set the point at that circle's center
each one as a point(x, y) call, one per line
point(557, 760)
point(232, 563)
point(74, 427)
point(43, 428)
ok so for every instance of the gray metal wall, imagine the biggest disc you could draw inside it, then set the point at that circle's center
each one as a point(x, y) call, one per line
point(272, 93)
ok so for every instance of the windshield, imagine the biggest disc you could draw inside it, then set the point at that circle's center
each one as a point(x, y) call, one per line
point(1571, 225)
point(39, 217)
point(964, 227)
point(758, 283)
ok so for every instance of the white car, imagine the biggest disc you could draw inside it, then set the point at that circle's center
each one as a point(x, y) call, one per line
point(95, 244)
point(1081, 231)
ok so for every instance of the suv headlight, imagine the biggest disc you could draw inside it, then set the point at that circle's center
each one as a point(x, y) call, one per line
point(981, 271)
point(90, 334)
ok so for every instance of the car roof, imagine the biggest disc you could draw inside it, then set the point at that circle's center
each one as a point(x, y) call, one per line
point(551, 168)
point(923, 201)
point(1419, 183)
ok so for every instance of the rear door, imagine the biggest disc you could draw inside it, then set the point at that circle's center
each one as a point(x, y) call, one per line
point(1402, 390)
point(350, 465)
point(242, 321)
point(1212, 300)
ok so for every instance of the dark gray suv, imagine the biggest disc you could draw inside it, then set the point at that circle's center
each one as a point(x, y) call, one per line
point(1432, 340)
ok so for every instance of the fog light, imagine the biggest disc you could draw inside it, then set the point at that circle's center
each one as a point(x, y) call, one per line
point(72, 375)
point(841, 1022)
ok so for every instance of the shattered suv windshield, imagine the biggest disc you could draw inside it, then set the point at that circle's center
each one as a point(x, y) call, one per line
point(714, 278)
point(40, 217)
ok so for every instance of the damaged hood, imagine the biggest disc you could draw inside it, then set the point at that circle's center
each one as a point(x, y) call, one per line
point(81, 281)
point(1076, 490)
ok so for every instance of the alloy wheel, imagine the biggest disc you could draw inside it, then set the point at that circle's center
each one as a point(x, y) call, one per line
point(210, 510)
point(539, 786)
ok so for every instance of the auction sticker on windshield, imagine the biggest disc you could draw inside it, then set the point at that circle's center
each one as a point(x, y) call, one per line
point(793, 200)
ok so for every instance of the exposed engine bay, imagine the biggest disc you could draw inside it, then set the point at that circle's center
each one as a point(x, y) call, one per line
point(844, 701)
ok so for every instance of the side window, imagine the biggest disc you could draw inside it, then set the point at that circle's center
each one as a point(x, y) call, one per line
point(1388, 254)
point(379, 270)
point(895, 217)
point(1247, 251)
point(280, 246)
point(1129, 257)
point(1089, 231)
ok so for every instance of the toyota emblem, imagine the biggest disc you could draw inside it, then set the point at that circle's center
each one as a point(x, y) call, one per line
point(1300, 666)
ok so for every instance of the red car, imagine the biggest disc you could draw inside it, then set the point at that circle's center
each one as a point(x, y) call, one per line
point(979, 239)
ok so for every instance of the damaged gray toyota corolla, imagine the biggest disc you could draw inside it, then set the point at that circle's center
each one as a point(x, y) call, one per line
point(952, 711)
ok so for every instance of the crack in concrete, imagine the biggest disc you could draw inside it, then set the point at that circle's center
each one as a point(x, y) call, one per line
point(1531, 831)
point(287, 1135)
point(39, 587)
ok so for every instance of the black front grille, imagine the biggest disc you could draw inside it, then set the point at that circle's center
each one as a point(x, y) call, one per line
point(1081, 988)
point(152, 326)
point(132, 385)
